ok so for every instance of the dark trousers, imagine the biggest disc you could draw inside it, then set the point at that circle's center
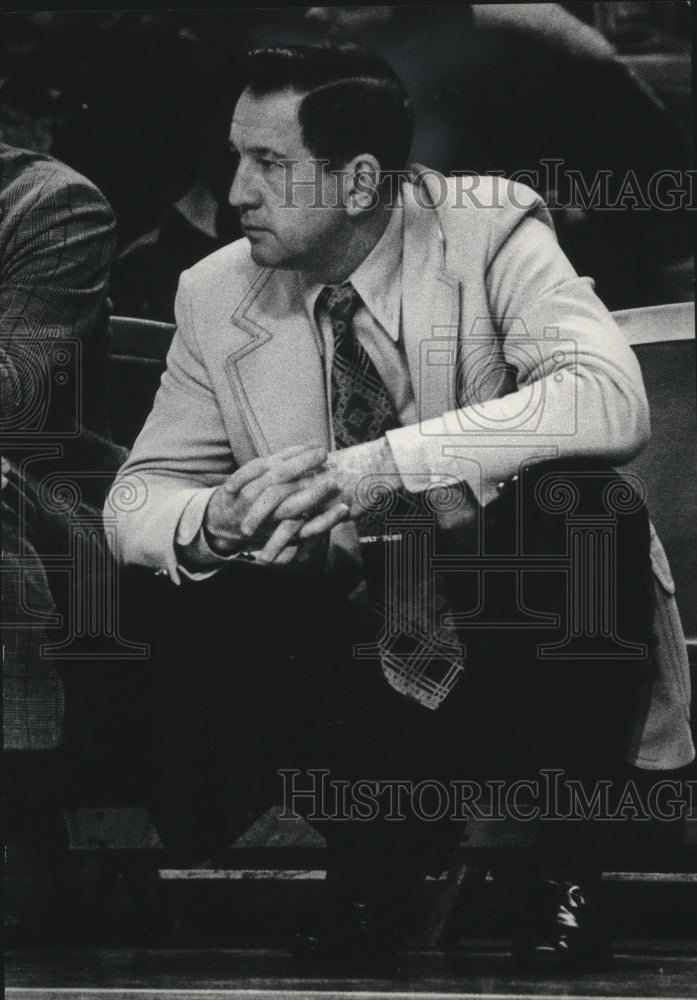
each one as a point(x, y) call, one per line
point(256, 675)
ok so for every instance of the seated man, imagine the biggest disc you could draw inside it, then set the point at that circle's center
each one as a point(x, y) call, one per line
point(388, 422)
point(57, 238)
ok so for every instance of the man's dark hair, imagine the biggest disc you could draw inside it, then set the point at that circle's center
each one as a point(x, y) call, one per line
point(353, 101)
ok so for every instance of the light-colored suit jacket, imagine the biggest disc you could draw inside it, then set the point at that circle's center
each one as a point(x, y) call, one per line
point(511, 357)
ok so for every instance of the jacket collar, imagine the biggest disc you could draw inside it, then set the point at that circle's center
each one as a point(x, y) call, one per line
point(276, 369)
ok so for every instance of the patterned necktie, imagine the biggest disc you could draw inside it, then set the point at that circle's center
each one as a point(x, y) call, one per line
point(420, 657)
point(362, 409)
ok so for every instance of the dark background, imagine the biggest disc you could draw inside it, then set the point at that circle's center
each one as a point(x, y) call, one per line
point(140, 102)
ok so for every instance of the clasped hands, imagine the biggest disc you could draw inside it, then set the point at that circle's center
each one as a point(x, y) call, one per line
point(274, 503)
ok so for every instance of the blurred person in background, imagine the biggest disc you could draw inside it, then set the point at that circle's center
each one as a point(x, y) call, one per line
point(148, 127)
point(57, 238)
point(125, 99)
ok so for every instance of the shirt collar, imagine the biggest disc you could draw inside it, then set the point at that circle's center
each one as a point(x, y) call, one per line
point(377, 279)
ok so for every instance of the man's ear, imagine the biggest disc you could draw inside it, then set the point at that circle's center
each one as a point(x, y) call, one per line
point(362, 185)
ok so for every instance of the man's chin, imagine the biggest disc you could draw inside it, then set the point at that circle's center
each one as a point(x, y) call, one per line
point(267, 258)
point(263, 256)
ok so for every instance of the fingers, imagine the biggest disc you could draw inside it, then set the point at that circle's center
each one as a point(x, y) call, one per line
point(284, 466)
point(294, 466)
point(257, 467)
point(280, 539)
point(308, 499)
point(286, 556)
point(257, 490)
point(269, 492)
point(244, 475)
point(302, 505)
point(324, 521)
point(264, 506)
point(279, 548)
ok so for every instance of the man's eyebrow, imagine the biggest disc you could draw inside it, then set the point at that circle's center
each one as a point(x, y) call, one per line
point(260, 151)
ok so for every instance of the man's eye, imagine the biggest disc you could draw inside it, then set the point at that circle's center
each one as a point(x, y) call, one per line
point(266, 163)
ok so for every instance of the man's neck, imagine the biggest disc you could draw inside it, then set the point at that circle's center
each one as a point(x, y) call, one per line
point(351, 249)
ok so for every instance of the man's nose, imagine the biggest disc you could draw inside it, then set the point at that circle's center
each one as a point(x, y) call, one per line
point(243, 192)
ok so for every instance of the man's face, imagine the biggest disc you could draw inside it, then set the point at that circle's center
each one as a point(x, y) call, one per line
point(289, 224)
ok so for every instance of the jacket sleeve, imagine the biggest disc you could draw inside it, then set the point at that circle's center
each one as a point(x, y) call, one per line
point(58, 236)
point(182, 451)
point(60, 245)
point(575, 387)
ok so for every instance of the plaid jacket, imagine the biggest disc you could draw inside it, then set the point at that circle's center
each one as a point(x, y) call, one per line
point(57, 239)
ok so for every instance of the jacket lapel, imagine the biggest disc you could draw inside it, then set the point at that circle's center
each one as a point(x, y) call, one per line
point(430, 306)
point(275, 370)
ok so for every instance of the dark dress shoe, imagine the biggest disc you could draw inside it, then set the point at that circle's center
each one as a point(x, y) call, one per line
point(559, 928)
